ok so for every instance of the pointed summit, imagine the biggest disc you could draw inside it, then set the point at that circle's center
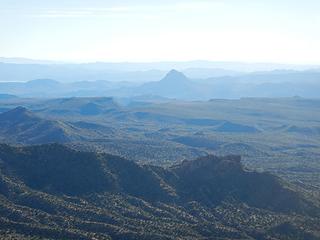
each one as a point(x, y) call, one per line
point(174, 85)
point(175, 76)
point(174, 72)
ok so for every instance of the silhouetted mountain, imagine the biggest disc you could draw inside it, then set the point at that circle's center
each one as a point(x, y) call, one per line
point(174, 77)
point(174, 85)
point(22, 126)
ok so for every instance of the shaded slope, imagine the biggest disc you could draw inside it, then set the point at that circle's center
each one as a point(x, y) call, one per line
point(212, 180)
point(22, 126)
point(54, 192)
point(209, 180)
point(58, 169)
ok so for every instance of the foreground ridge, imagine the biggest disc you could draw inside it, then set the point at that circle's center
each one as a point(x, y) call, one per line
point(52, 191)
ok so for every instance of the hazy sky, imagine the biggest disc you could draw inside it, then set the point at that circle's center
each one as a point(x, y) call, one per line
point(140, 30)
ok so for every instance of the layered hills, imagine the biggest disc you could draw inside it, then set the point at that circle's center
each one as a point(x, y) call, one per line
point(23, 126)
point(173, 84)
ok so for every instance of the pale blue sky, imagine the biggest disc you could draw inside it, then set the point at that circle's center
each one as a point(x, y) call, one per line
point(286, 31)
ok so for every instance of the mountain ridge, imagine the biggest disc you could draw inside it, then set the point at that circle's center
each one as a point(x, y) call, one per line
point(210, 180)
point(54, 192)
point(19, 125)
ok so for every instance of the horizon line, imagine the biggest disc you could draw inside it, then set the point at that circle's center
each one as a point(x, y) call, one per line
point(53, 61)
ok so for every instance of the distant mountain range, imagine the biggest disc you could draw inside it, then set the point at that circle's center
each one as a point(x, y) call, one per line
point(261, 84)
point(45, 88)
point(167, 65)
point(112, 197)
point(175, 84)
point(15, 72)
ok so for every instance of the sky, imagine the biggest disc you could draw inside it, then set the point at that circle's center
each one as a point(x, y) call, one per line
point(279, 31)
